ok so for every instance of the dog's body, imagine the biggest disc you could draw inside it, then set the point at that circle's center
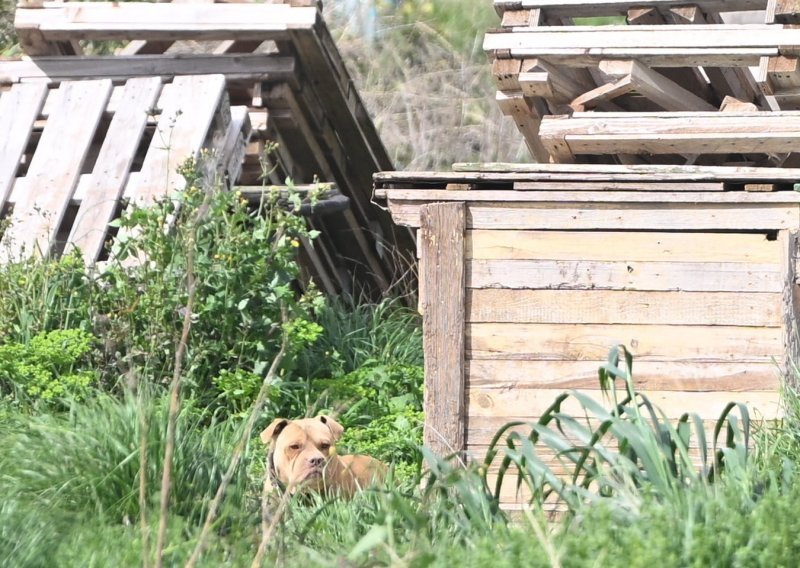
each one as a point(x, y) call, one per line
point(302, 455)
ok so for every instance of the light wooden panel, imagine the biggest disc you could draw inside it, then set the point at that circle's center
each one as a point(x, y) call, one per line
point(19, 108)
point(519, 375)
point(535, 401)
point(581, 342)
point(674, 308)
point(622, 246)
point(442, 274)
point(615, 216)
point(630, 275)
point(55, 168)
point(573, 8)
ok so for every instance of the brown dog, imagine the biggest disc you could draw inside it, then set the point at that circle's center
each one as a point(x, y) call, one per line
point(302, 455)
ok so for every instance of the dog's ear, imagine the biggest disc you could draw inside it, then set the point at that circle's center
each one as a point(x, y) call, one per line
point(335, 428)
point(273, 430)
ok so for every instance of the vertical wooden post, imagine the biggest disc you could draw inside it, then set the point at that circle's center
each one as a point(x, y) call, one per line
point(791, 302)
point(442, 281)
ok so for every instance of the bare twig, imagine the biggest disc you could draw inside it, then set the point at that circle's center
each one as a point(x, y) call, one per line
point(255, 411)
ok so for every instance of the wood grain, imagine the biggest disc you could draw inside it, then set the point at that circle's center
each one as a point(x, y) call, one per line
point(442, 236)
point(646, 342)
point(671, 308)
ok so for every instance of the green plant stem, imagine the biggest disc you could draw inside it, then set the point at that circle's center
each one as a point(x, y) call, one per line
point(255, 411)
point(175, 385)
point(267, 526)
point(145, 528)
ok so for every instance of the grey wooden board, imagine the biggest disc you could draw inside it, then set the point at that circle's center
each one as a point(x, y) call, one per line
point(19, 108)
point(112, 167)
point(55, 168)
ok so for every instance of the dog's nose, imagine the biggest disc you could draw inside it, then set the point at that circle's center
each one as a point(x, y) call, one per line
point(316, 461)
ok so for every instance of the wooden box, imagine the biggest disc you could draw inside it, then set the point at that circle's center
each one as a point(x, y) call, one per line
point(529, 277)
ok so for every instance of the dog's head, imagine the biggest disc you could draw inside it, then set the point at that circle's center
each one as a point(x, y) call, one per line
point(300, 450)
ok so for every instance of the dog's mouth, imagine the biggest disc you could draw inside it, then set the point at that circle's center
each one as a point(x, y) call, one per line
point(312, 474)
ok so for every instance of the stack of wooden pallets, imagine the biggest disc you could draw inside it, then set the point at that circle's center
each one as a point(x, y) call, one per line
point(277, 60)
point(666, 82)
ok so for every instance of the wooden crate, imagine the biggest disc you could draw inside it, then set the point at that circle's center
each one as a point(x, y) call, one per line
point(528, 278)
point(72, 156)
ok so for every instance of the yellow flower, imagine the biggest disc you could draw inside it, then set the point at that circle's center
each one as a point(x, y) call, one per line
point(295, 243)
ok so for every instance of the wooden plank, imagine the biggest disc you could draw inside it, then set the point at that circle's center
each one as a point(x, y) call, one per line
point(534, 402)
point(258, 67)
point(527, 116)
point(586, 342)
point(55, 168)
point(157, 22)
point(671, 133)
point(19, 108)
point(617, 186)
point(622, 246)
point(112, 167)
point(442, 236)
point(188, 107)
point(626, 275)
point(601, 306)
point(574, 8)
point(664, 92)
point(588, 172)
point(631, 216)
point(500, 196)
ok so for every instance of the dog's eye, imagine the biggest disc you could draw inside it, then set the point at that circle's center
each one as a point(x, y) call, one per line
point(325, 446)
point(294, 447)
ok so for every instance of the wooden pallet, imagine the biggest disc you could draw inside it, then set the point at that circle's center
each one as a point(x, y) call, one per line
point(281, 61)
point(77, 153)
point(670, 57)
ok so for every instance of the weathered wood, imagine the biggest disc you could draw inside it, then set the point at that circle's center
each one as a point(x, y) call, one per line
point(111, 170)
point(613, 216)
point(671, 133)
point(55, 168)
point(616, 186)
point(501, 196)
point(527, 115)
point(188, 107)
point(58, 21)
point(19, 108)
point(575, 8)
point(588, 172)
point(442, 236)
point(626, 275)
point(591, 342)
point(791, 306)
point(534, 402)
point(670, 308)
point(622, 246)
point(258, 67)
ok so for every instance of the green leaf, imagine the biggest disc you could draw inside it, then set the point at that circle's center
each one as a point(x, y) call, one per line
point(376, 536)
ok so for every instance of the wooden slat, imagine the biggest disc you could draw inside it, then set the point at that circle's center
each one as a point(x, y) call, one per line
point(588, 172)
point(727, 45)
point(687, 376)
point(158, 22)
point(630, 216)
point(442, 237)
point(575, 8)
point(622, 246)
point(535, 402)
point(671, 308)
point(19, 108)
point(617, 186)
point(661, 343)
point(112, 167)
point(671, 133)
point(258, 67)
point(627, 275)
point(590, 197)
point(188, 107)
point(56, 167)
